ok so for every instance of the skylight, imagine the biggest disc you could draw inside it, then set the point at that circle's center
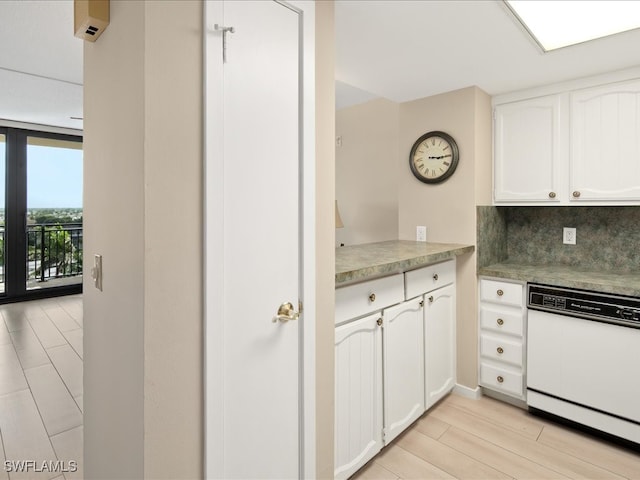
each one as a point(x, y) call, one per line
point(560, 23)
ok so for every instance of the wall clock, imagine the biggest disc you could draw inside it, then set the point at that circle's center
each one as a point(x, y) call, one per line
point(434, 157)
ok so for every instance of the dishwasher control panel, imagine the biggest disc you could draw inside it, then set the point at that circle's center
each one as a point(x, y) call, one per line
point(585, 304)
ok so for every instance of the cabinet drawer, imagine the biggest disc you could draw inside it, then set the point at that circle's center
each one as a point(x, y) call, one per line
point(501, 349)
point(429, 278)
point(501, 379)
point(503, 321)
point(356, 300)
point(504, 293)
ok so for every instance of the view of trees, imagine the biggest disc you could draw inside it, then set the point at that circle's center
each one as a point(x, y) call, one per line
point(54, 242)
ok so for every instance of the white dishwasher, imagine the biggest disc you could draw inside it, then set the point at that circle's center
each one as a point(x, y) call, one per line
point(583, 358)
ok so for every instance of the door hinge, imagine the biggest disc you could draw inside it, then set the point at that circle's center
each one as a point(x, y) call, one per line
point(384, 434)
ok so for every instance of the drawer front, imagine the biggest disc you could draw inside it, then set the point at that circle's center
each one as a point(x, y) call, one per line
point(356, 300)
point(504, 293)
point(429, 278)
point(501, 349)
point(501, 380)
point(503, 321)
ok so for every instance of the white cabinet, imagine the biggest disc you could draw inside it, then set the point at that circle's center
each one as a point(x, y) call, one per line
point(605, 145)
point(403, 366)
point(528, 145)
point(358, 394)
point(575, 146)
point(439, 343)
point(394, 347)
point(502, 337)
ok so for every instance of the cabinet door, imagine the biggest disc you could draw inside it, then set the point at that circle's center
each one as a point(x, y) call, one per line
point(605, 150)
point(439, 344)
point(527, 150)
point(403, 344)
point(358, 394)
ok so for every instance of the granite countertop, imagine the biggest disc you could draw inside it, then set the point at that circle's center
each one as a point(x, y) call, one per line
point(619, 283)
point(356, 263)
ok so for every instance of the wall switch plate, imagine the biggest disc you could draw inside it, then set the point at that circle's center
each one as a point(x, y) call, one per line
point(421, 234)
point(569, 236)
point(96, 272)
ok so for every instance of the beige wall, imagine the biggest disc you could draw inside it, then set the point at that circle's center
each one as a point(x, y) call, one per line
point(325, 251)
point(143, 204)
point(114, 227)
point(367, 173)
point(173, 328)
point(449, 209)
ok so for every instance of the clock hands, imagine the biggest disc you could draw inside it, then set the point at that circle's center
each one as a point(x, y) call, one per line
point(439, 157)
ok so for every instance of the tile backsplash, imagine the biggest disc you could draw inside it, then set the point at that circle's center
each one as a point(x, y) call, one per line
point(607, 238)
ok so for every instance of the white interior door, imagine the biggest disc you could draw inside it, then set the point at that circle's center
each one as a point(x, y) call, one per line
point(255, 223)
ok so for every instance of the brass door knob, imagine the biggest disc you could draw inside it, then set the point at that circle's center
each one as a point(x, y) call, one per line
point(372, 297)
point(500, 379)
point(379, 321)
point(431, 299)
point(500, 292)
point(500, 350)
point(435, 277)
point(500, 322)
point(552, 194)
point(576, 194)
point(285, 313)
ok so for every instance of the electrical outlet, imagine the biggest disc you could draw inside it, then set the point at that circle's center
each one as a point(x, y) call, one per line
point(569, 236)
point(421, 234)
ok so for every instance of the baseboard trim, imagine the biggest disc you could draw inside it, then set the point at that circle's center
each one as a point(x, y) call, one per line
point(472, 393)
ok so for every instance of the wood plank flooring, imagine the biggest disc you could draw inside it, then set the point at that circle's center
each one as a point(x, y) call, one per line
point(41, 389)
point(487, 439)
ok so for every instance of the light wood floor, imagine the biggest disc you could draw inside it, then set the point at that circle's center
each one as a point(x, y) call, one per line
point(41, 388)
point(487, 439)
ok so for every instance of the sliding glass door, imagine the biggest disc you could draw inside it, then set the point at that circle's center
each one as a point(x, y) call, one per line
point(43, 216)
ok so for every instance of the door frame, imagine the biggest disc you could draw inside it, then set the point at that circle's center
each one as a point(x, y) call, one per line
point(214, 242)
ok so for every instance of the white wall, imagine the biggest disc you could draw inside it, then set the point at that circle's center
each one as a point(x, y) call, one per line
point(367, 173)
point(143, 211)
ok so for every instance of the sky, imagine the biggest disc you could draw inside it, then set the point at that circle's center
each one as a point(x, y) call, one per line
point(54, 177)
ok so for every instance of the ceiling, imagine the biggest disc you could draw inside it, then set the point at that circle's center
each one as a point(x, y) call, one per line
point(404, 50)
point(399, 50)
point(40, 63)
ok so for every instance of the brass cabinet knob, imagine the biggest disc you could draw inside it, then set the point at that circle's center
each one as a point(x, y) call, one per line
point(500, 292)
point(372, 297)
point(421, 303)
point(431, 299)
point(576, 194)
point(435, 277)
point(379, 321)
point(552, 194)
point(500, 322)
point(500, 350)
point(500, 379)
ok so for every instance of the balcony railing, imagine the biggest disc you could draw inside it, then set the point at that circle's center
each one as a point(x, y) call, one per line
point(53, 251)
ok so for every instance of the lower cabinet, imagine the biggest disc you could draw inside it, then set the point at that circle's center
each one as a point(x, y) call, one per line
point(358, 394)
point(393, 363)
point(439, 343)
point(403, 369)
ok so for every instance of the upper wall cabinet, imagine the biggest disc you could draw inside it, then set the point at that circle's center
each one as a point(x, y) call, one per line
point(576, 146)
point(605, 143)
point(527, 149)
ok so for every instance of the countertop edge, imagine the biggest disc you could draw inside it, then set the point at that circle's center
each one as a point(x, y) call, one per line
point(568, 277)
point(404, 265)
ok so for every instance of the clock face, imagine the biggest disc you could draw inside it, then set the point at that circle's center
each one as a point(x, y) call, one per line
point(434, 157)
